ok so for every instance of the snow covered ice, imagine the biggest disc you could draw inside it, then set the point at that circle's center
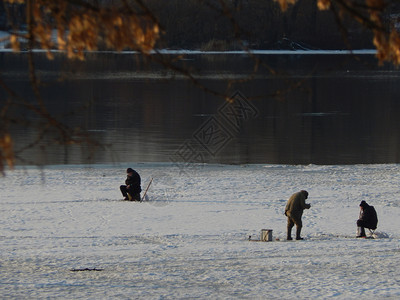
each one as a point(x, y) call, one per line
point(66, 234)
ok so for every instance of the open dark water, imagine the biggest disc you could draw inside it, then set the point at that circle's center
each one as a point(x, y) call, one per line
point(287, 108)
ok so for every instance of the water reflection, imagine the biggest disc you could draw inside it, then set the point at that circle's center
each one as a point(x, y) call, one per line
point(321, 109)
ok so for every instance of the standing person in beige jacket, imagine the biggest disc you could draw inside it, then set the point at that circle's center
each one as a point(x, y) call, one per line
point(294, 211)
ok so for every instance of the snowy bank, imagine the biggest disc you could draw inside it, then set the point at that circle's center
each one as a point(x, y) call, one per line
point(66, 233)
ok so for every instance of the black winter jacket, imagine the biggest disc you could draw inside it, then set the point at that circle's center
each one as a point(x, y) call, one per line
point(368, 215)
point(134, 183)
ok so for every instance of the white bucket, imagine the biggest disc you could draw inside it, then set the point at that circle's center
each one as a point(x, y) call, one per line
point(266, 235)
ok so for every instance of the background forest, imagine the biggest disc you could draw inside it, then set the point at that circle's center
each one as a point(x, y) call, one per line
point(256, 24)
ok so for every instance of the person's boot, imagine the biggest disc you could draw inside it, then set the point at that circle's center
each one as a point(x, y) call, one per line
point(289, 234)
point(361, 232)
point(298, 237)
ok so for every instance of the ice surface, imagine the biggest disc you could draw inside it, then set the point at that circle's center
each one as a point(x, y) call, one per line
point(65, 233)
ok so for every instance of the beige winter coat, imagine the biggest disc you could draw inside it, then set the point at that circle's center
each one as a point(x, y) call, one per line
point(295, 205)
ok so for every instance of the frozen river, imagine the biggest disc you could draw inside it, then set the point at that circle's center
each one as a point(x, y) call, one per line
point(65, 233)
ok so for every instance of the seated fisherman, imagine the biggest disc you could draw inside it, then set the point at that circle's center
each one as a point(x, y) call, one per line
point(368, 219)
point(131, 190)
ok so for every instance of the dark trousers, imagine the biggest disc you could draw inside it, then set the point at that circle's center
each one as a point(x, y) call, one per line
point(361, 224)
point(125, 191)
point(294, 219)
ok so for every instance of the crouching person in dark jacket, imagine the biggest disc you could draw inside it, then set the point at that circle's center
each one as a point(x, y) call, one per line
point(131, 190)
point(368, 219)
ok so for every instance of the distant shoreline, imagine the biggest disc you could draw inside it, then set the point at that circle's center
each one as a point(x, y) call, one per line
point(233, 52)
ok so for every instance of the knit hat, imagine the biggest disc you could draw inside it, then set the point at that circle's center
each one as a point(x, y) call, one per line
point(363, 204)
point(129, 170)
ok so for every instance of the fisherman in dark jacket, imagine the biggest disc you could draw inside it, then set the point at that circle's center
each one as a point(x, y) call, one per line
point(294, 211)
point(131, 190)
point(368, 218)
